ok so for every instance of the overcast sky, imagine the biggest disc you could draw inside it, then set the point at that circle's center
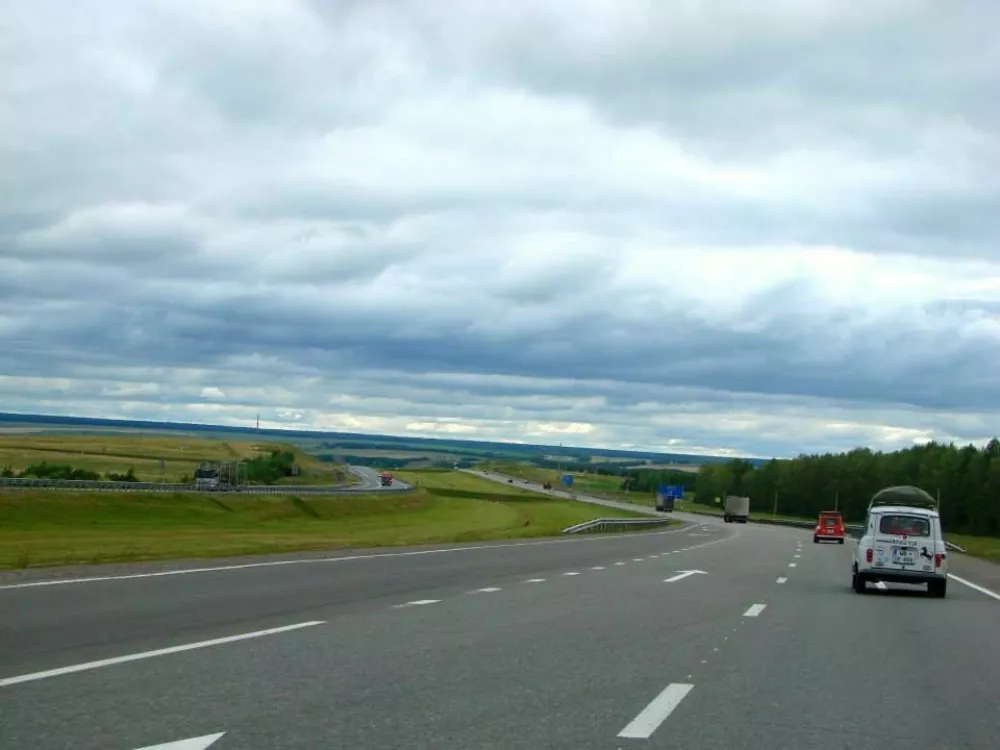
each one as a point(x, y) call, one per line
point(754, 227)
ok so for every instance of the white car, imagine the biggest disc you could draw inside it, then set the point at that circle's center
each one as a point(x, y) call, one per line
point(902, 542)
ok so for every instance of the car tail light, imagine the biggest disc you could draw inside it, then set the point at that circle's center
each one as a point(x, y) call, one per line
point(868, 555)
point(937, 560)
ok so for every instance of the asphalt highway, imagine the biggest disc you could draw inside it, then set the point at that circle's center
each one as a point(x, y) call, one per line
point(707, 635)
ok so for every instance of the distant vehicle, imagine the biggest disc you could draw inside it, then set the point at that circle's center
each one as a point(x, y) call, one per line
point(510, 481)
point(385, 479)
point(547, 486)
point(902, 542)
point(829, 526)
point(206, 478)
point(736, 509)
point(665, 504)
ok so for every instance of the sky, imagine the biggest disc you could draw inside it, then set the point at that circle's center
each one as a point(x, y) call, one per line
point(763, 227)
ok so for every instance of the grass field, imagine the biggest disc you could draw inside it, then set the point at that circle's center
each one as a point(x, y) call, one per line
point(180, 455)
point(985, 547)
point(41, 527)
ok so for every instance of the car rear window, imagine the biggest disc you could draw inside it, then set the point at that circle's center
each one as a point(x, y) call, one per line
point(831, 521)
point(908, 525)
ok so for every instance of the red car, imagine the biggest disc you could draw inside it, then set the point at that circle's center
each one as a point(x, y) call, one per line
point(829, 526)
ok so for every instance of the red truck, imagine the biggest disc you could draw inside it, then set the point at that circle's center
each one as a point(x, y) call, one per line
point(385, 478)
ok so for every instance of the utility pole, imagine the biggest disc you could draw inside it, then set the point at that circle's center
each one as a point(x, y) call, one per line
point(775, 502)
point(836, 500)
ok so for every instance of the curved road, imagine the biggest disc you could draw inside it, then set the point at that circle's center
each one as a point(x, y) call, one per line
point(704, 636)
point(369, 480)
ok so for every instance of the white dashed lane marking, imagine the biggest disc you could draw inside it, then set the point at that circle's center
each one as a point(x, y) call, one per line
point(650, 718)
point(755, 610)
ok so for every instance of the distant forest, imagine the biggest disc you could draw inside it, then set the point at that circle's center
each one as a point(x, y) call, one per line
point(967, 480)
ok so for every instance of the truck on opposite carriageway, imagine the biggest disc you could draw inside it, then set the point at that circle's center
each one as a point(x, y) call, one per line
point(736, 509)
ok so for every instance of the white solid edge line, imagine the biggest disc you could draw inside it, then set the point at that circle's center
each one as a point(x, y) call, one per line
point(318, 560)
point(975, 586)
point(650, 718)
point(755, 610)
point(7, 681)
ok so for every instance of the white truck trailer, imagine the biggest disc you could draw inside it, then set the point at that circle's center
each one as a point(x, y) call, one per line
point(737, 509)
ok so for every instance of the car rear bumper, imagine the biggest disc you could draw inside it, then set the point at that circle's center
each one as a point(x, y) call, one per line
point(902, 576)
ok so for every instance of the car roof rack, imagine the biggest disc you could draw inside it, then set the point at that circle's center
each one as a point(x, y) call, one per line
point(905, 495)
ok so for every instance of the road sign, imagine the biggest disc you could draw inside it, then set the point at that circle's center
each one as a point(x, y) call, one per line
point(567, 479)
point(675, 491)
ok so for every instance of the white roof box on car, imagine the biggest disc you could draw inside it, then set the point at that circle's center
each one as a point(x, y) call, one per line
point(905, 495)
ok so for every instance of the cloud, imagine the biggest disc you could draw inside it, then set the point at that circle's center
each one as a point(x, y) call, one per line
point(740, 227)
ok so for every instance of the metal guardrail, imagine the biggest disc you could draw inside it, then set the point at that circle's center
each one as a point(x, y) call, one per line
point(90, 485)
point(615, 524)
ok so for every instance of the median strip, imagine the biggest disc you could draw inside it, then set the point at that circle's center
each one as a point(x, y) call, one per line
point(6, 682)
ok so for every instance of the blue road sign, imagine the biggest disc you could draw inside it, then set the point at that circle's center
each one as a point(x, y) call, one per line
point(567, 479)
point(675, 491)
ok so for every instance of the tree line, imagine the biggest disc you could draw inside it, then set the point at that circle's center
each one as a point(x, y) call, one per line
point(650, 480)
point(45, 470)
point(967, 480)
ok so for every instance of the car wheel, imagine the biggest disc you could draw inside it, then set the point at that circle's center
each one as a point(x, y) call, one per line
point(937, 589)
point(815, 539)
point(859, 583)
point(841, 541)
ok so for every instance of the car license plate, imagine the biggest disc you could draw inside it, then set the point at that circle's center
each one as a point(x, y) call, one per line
point(903, 556)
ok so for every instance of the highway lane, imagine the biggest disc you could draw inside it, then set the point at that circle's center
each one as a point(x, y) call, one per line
point(512, 659)
point(46, 625)
point(369, 479)
point(833, 669)
point(535, 487)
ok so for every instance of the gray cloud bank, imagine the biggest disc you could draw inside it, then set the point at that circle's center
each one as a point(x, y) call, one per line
point(750, 227)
